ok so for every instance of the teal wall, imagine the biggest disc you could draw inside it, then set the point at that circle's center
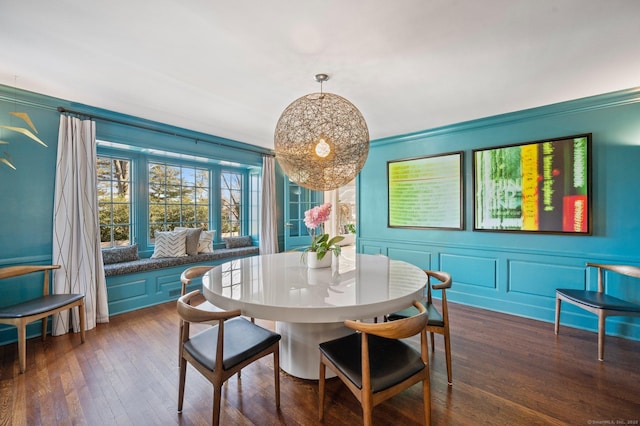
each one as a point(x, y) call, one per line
point(26, 194)
point(514, 273)
point(518, 273)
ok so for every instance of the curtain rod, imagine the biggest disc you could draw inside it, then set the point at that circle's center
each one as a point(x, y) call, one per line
point(258, 150)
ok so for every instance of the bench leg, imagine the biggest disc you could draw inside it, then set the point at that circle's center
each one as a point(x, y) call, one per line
point(44, 327)
point(557, 323)
point(81, 315)
point(601, 318)
point(22, 346)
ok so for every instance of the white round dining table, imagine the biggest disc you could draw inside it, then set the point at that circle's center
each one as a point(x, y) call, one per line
point(309, 306)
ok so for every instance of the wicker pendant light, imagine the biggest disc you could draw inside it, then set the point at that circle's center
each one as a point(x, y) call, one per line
point(321, 140)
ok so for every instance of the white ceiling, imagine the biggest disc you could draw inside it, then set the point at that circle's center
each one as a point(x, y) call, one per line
point(229, 68)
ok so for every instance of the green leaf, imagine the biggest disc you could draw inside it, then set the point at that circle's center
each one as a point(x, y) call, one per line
point(335, 240)
point(322, 239)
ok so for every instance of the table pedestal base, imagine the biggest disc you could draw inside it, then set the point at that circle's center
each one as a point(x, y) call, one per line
point(299, 353)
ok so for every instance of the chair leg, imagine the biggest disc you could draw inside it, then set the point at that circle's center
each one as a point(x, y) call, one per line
point(601, 324)
point(183, 376)
point(433, 342)
point(557, 323)
point(367, 414)
point(447, 352)
point(217, 391)
point(321, 391)
point(180, 341)
point(22, 346)
point(426, 399)
point(276, 374)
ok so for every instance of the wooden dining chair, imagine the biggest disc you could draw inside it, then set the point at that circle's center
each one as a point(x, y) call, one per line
point(599, 302)
point(186, 278)
point(221, 351)
point(21, 314)
point(375, 364)
point(437, 323)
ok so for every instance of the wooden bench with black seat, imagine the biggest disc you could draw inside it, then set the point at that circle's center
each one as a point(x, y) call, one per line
point(599, 302)
point(23, 313)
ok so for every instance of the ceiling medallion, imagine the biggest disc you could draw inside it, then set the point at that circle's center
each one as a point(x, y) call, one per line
point(321, 140)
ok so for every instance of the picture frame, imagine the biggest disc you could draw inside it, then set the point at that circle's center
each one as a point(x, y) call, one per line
point(426, 192)
point(539, 187)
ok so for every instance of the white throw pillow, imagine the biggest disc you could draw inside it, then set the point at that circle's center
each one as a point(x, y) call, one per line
point(205, 243)
point(170, 244)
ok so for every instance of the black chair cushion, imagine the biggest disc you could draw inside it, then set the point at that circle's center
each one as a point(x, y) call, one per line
point(598, 300)
point(391, 360)
point(39, 305)
point(242, 340)
point(435, 318)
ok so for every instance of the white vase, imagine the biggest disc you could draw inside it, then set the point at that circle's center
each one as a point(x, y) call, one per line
point(314, 263)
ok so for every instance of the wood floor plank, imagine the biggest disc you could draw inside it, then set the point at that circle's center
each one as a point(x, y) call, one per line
point(506, 371)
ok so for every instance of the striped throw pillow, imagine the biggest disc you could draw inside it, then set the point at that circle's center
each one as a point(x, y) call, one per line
point(170, 244)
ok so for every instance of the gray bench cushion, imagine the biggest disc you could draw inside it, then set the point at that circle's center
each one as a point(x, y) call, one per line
point(39, 305)
point(599, 300)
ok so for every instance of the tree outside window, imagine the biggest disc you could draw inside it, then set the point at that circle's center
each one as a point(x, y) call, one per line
point(231, 203)
point(178, 196)
point(114, 200)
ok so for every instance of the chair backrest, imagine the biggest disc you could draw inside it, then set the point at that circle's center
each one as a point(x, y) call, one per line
point(189, 313)
point(190, 273)
point(630, 271)
point(16, 271)
point(445, 283)
point(399, 329)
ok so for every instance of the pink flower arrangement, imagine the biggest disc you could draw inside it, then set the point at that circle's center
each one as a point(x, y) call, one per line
point(320, 244)
point(318, 215)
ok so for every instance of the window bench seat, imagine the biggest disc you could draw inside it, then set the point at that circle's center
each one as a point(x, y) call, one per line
point(142, 265)
point(137, 284)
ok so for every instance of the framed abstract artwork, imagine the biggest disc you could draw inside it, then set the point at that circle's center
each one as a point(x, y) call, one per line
point(542, 186)
point(425, 192)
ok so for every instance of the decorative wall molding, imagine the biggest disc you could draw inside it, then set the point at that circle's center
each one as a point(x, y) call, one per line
point(510, 281)
point(608, 100)
point(36, 100)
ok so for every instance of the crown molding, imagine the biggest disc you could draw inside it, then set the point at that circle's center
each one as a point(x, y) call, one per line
point(607, 100)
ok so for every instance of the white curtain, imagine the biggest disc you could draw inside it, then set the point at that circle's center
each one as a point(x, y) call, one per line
point(76, 230)
point(269, 211)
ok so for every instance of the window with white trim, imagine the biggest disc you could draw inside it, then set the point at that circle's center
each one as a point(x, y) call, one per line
point(142, 191)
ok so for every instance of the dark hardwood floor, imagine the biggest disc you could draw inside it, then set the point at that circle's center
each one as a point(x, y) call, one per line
point(506, 371)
